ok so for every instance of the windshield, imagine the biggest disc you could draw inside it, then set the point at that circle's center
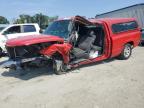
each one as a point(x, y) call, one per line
point(59, 28)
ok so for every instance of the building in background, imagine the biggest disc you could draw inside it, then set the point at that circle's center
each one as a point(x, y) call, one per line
point(134, 11)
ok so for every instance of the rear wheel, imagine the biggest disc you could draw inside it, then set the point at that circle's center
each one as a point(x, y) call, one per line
point(1, 51)
point(126, 52)
point(142, 44)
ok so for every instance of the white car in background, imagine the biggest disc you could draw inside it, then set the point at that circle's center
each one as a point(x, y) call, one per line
point(15, 31)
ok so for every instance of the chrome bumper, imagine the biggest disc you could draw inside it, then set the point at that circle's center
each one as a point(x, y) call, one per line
point(10, 64)
point(16, 64)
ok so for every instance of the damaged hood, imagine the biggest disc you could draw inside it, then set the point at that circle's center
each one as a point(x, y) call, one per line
point(34, 39)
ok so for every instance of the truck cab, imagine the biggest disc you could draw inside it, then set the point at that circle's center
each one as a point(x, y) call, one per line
point(16, 30)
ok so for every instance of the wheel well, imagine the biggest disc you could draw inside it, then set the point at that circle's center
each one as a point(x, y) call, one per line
point(131, 43)
point(57, 56)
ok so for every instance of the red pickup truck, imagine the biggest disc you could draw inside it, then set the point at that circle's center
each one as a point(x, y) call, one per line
point(75, 41)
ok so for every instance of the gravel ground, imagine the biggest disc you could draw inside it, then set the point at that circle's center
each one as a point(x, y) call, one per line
point(109, 84)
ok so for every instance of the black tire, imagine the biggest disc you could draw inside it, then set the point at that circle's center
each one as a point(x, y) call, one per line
point(142, 44)
point(1, 52)
point(126, 52)
point(59, 67)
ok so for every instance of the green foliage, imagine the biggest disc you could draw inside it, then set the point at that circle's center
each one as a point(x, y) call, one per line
point(23, 19)
point(42, 20)
point(3, 20)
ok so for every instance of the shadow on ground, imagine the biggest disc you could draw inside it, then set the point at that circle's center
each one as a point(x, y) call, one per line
point(36, 72)
point(28, 74)
point(141, 45)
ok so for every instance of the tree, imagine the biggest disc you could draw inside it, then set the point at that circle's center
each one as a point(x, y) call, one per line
point(23, 19)
point(42, 20)
point(3, 20)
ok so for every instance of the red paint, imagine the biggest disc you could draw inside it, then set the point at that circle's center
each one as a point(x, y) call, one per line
point(63, 49)
point(34, 39)
point(113, 44)
point(118, 40)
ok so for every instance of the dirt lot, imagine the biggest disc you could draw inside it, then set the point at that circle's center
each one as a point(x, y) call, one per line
point(111, 84)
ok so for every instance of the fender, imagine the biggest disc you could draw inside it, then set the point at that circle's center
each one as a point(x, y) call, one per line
point(63, 49)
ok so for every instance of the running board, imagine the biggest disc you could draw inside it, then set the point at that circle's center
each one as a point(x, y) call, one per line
point(77, 61)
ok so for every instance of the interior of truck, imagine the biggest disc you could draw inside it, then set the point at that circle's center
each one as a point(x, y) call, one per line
point(88, 41)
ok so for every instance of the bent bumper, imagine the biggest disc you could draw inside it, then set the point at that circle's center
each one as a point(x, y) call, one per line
point(17, 64)
point(10, 64)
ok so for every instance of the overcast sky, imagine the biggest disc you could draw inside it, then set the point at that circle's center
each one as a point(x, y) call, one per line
point(12, 8)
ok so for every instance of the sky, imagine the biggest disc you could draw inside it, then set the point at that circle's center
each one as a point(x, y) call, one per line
point(62, 8)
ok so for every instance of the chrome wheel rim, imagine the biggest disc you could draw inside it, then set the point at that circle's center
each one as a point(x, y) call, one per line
point(127, 51)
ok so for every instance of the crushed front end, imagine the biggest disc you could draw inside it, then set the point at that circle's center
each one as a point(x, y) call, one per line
point(25, 51)
point(26, 56)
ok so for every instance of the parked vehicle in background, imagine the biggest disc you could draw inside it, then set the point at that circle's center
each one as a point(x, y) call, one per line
point(75, 41)
point(2, 26)
point(142, 36)
point(16, 30)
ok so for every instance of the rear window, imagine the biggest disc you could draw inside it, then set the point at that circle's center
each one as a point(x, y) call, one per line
point(29, 28)
point(121, 27)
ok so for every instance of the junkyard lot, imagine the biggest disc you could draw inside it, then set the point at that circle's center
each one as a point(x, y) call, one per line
point(111, 84)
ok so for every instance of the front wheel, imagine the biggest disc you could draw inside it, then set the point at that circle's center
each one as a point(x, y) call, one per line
point(59, 67)
point(126, 52)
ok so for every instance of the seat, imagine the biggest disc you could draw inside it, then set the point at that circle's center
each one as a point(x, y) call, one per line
point(86, 42)
point(96, 48)
point(85, 45)
point(78, 53)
